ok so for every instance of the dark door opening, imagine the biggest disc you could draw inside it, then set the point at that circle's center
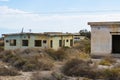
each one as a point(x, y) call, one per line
point(116, 44)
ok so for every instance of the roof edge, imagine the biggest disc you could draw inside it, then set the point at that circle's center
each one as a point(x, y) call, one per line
point(104, 23)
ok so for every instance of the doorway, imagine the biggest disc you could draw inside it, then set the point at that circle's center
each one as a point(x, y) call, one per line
point(115, 44)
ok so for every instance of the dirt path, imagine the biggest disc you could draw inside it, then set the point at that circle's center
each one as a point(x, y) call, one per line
point(24, 76)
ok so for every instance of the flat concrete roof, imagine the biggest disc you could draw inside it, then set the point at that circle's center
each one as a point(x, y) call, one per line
point(117, 23)
point(45, 33)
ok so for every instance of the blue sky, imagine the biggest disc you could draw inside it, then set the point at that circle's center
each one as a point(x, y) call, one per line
point(55, 15)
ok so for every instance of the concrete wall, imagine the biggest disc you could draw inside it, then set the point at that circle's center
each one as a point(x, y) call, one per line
point(42, 38)
point(101, 39)
point(18, 39)
point(55, 42)
point(64, 39)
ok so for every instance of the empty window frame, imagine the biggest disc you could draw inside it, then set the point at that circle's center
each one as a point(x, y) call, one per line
point(60, 43)
point(13, 42)
point(76, 38)
point(24, 42)
point(51, 43)
point(71, 42)
point(67, 40)
point(38, 43)
point(7, 41)
point(44, 41)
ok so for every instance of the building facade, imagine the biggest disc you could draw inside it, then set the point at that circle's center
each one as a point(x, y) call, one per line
point(78, 37)
point(54, 40)
point(105, 38)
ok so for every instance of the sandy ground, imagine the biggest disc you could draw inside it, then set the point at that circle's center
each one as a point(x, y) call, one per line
point(24, 76)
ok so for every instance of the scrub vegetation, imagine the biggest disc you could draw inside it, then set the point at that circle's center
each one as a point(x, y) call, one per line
point(64, 64)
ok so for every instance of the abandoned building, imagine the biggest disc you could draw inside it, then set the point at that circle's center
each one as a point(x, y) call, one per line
point(78, 37)
point(54, 40)
point(105, 38)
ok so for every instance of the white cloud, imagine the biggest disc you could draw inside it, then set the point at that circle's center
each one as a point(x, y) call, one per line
point(13, 22)
point(6, 10)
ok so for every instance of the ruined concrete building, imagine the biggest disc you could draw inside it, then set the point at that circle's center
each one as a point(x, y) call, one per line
point(54, 40)
point(105, 38)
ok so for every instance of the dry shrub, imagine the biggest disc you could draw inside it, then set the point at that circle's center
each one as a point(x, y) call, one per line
point(8, 72)
point(6, 55)
point(104, 62)
point(26, 63)
point(67, 53)
point(57, 55)
point(108, 60)
point(60, 54)
point(31, 64)
point(83, 56)
point(1, 48)
point(74, 67)
point(14, 60)
point(79, 55)
point(112, 74)
point(38, 64)
point(78, 67)
point(19, 63)
point(46, 64)
point(1, 45)
point(117, 65)
point(31, 50)
point(83, 45)
point(28, 52)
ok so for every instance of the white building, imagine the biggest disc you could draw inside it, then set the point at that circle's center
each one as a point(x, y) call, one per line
point(105, 38)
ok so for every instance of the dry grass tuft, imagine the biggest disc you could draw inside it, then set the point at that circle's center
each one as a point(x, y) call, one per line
point(108, 61)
